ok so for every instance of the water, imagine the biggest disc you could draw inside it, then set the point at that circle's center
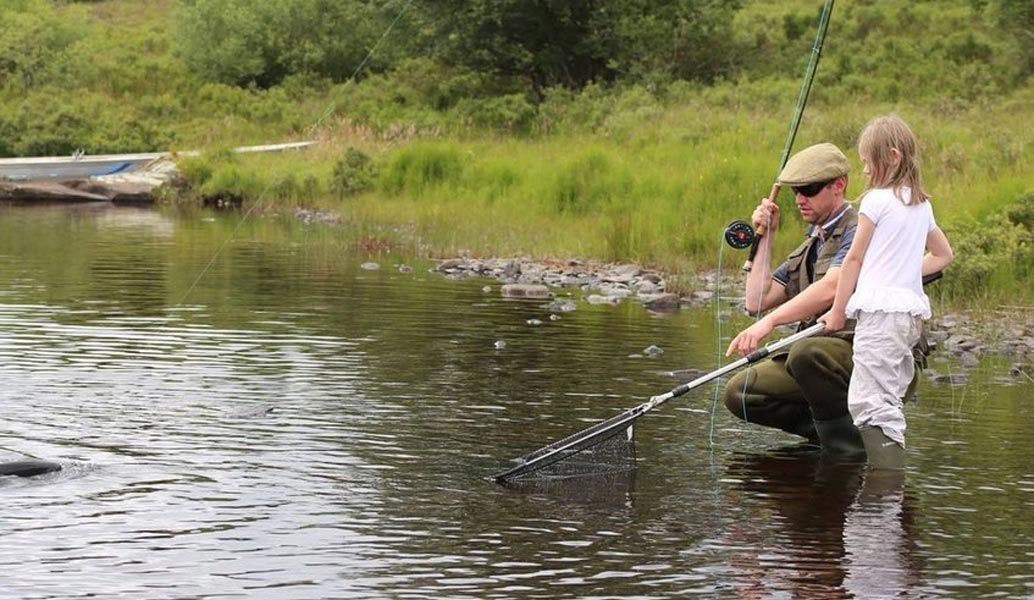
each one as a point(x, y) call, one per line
point(243, 412)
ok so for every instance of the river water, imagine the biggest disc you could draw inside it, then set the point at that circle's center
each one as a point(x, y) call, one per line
point(243, 411)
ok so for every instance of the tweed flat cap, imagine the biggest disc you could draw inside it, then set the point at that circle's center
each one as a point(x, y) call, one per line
point(821, 162)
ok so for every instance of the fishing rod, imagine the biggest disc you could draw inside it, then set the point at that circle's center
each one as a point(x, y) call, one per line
point(739, 234)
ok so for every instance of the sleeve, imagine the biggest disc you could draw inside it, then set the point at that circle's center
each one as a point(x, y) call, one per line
point(933, 223)
point(873, 205)
point(780, 275)
point(845, 244)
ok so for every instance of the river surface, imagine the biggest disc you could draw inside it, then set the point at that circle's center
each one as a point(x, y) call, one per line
point(243, 411)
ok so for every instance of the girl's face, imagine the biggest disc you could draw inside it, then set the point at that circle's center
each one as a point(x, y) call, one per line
point(865, 164)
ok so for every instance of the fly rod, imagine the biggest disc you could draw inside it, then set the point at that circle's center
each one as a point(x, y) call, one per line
point(802, 100)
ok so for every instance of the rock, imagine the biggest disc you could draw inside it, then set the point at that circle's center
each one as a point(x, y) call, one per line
point(500, 344)
point(969, 359)
point(951, 379)
point(450, 265)
point(555, 317)
point(621, 274)
point(703, 295)
point(525, 290)
point(666, 301)
point(534, 322)
point(598, 299)
point(561, 306)
point(369, 266)
point(405, 269)
point(486, 290)
point(653, 351)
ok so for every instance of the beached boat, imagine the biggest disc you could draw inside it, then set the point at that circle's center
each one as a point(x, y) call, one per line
point(82, 166)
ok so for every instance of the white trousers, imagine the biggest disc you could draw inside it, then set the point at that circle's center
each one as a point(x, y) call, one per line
point(883, 369)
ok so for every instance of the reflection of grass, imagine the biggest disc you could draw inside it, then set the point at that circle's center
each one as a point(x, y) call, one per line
point(650, 186)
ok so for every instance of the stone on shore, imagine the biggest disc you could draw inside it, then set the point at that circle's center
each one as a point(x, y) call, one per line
point(532, 291)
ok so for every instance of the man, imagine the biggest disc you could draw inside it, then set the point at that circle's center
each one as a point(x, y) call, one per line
point(801, 390)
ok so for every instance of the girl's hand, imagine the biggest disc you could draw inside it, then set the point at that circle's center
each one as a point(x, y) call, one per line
point(833, 320)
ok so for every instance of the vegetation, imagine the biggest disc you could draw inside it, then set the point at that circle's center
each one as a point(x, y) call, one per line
point(611, 129)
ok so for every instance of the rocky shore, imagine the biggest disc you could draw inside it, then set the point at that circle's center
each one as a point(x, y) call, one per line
point(966, 337)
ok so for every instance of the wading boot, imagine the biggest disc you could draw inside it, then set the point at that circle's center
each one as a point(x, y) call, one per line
point(883, 452)
point(840, 439)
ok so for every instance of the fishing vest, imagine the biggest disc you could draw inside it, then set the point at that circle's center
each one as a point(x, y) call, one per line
point(800, 273)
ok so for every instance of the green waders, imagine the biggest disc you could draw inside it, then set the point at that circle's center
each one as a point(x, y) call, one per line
point(802, 391)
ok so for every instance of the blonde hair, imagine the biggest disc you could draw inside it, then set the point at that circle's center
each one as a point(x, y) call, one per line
point(880, 138)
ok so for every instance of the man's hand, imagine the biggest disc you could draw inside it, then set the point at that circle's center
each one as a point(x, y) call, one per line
point(750, 338)
point(834, 320)
point(766, 215)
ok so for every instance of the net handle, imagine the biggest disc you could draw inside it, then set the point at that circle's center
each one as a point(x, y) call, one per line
point(579, 441)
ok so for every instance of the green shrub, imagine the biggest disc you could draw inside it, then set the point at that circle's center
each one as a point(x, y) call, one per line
point(353, 174)
point(420, 167)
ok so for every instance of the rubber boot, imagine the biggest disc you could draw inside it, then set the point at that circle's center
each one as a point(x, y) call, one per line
point(840, 439)
point(882, 452)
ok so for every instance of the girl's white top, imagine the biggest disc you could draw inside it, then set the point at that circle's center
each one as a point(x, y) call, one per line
point(891, 278)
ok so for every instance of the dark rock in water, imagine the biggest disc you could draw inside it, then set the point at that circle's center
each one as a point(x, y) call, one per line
point(951, 378)
point(653, 351)
point(405, 269)
point(28, 468)
point(667, 301)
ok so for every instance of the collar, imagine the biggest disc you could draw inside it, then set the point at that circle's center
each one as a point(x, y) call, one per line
point(822, 231)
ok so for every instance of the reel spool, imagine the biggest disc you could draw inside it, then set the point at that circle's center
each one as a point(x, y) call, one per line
point(739, 234)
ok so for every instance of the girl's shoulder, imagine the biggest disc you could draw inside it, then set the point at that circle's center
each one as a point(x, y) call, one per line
point(877, 196)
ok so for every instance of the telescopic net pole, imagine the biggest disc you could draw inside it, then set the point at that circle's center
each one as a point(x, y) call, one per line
point(606, 430)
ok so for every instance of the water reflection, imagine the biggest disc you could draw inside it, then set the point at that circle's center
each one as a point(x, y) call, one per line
point(842, 531)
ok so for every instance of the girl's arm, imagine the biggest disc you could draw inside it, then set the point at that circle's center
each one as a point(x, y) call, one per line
point(939, 253)
point(835, 318)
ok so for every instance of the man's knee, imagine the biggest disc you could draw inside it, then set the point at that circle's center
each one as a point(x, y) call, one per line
point(818, 357)
point(735, 394)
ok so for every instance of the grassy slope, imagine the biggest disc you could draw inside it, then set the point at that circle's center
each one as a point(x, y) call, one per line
point(651, 180)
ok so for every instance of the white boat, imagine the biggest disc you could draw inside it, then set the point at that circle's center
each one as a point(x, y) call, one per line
point(84, 166)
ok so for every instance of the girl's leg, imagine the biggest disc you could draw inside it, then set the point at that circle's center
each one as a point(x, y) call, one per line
point(883, 370)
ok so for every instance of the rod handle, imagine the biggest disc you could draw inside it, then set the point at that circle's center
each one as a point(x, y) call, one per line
point(760, 231)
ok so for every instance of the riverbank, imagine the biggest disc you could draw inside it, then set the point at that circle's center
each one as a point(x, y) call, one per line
point(964, 337)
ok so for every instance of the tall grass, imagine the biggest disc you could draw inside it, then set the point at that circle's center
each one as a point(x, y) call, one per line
point(659, 185)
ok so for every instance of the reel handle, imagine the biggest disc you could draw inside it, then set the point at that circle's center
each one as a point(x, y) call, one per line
point(760, 231)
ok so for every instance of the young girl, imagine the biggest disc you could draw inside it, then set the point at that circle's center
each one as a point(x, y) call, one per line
point(881, 285)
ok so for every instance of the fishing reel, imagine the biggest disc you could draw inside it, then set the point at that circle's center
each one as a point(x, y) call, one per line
point(740, 235)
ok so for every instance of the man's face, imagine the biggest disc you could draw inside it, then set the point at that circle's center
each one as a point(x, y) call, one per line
point(818, 208)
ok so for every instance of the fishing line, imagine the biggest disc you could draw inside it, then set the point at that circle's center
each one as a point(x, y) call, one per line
point(363, 62)
point(263, 196)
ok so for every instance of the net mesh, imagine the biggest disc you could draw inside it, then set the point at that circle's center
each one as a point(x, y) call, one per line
point(609, 450)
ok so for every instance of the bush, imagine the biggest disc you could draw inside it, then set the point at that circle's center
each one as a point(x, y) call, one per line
point(420, 167)
point(353, 174)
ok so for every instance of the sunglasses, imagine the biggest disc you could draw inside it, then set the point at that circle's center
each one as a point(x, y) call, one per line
point(810, 189)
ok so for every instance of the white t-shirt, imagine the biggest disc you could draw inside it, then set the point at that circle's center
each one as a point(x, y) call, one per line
point(891, 279)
